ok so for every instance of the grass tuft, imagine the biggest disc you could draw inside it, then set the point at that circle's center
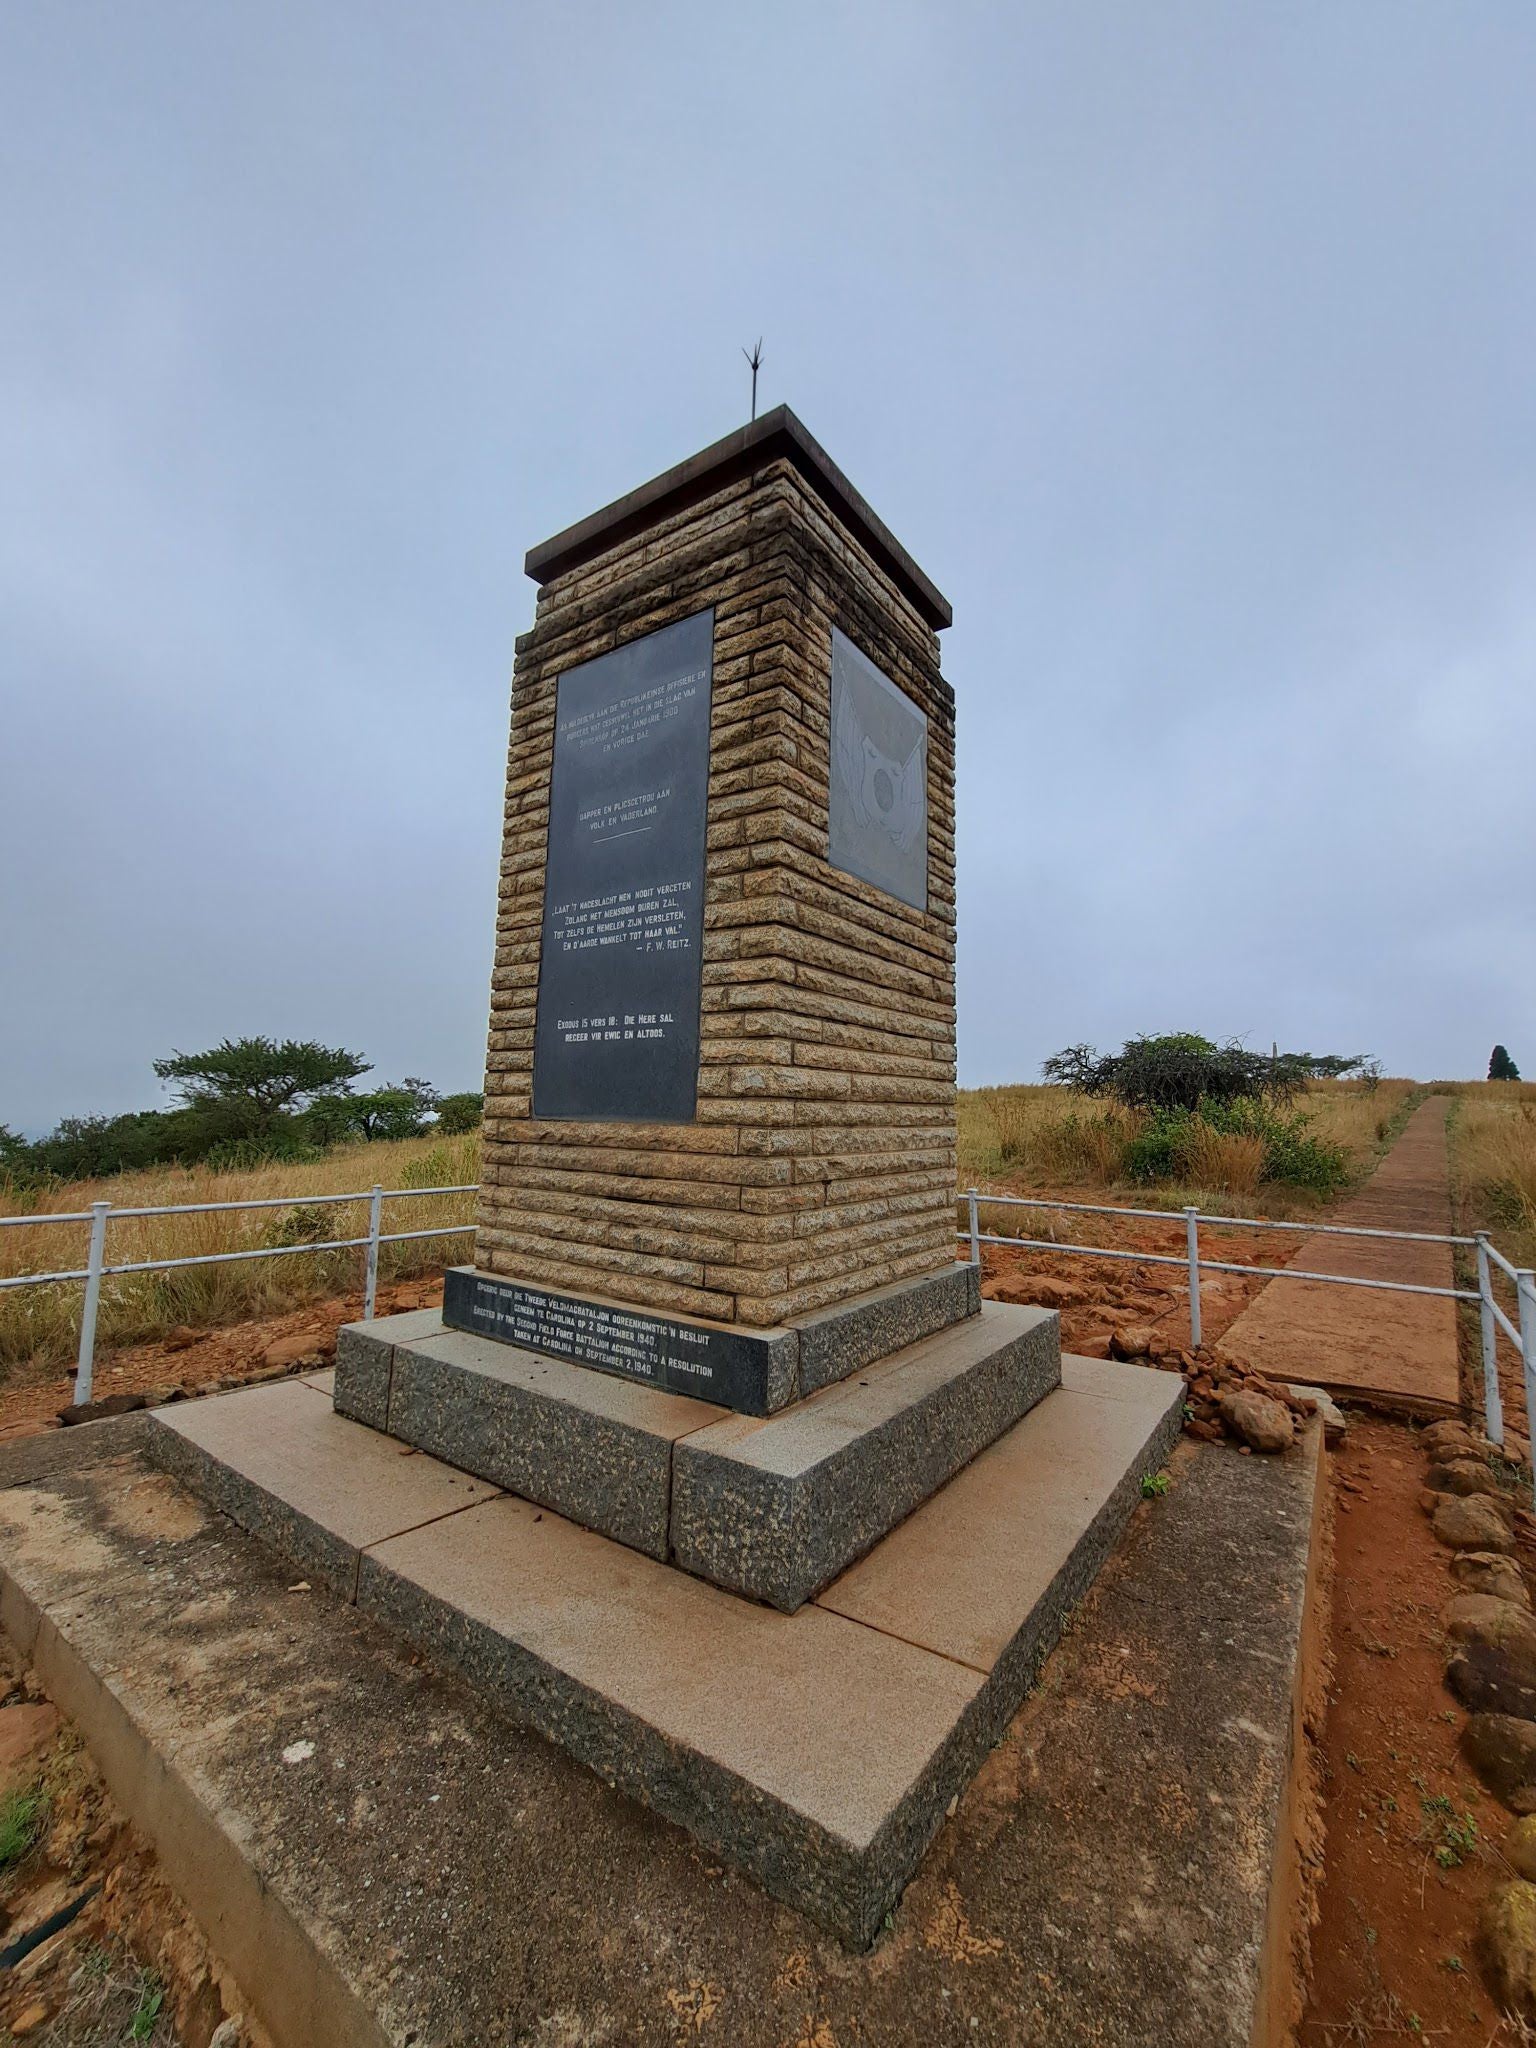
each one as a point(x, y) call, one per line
point(23, 1816)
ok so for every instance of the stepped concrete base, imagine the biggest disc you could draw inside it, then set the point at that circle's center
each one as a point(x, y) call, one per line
point(377, 1856)
point(773, 1507)
point(754, 1371)
point(776, 1508)
point(817, 1751)
point(595, 1448)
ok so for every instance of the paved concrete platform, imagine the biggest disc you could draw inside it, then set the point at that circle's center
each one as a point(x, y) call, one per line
point(279, 1461)
point(382, 1857)
point(772, 1507)
point(771, 1737)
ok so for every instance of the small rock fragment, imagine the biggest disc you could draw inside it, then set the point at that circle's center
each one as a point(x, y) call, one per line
point(1440, 1437)
point(1520, 1847)
point(1501, 1748)
point(291, 1350)
point(1134, 1342)
point(1474, 1522)
point(1494, 1678)
point(1485, 1618)
point(1483, 1571)
point(1463, 1476)
point(1508, 1930)
point(1335, 1421)
point(1263, 1424)
point(97, 1411)
point(29, 2019)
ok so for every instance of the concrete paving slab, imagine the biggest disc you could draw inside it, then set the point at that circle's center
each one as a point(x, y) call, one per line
point(1023, 1529)
point(429, 1873)
point(285, 1467)
point(775, 1507)
point(769, 1736)
point(594, 1447)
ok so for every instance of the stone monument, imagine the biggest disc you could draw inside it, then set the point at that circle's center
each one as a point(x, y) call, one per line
point(817, 1509)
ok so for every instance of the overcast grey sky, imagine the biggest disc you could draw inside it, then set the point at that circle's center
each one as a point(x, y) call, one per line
point(1190, 349)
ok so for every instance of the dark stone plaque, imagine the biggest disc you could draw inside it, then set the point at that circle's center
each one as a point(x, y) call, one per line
point(738, 1369)
point(879, 783)
point(616, 1035)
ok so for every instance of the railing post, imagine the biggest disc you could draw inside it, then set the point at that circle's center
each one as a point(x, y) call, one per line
point(95, 1259)
point(970, 1196)
point(371, 1256)
point(1192, 1242)
point(1493, 1406)
point(1525, 1283)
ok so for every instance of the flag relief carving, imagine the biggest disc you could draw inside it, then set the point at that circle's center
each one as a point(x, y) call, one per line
point(878, 813)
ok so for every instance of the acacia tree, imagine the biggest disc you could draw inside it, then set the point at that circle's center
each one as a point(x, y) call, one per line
point(1501, 1067)
point(255, 1083)
point(1180, 1070)
point(398, 1110)
point(461, 1112)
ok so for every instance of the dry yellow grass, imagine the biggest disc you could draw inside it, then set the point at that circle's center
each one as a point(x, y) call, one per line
point(39, 1326)
point(1493, 1161)
point(1227, 1161)
point(1043, 1139)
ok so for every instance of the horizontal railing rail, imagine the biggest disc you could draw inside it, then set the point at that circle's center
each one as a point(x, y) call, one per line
point(1493, 1321)
point(97, 1267)
point(1520, 1331)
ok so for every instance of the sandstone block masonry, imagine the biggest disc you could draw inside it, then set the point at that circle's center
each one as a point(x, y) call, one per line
point(821, 1162)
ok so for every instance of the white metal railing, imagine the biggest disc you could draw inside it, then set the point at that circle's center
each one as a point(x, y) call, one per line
point(96, 1269)
point(1491, 1316)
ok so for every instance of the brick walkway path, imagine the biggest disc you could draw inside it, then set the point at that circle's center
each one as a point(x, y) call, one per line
point(1400, 1349)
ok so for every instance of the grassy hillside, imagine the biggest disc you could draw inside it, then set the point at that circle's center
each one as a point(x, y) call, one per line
point(41, 1324)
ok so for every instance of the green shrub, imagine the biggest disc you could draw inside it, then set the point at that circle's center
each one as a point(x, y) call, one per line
point(305, 1223)
point(1180, 1070)
point(1171, 1142)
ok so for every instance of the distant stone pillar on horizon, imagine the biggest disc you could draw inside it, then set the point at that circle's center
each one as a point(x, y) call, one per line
point(721, 1075)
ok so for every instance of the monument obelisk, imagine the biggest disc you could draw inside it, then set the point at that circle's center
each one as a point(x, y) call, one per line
point(720, 1084)
point(742, 1493)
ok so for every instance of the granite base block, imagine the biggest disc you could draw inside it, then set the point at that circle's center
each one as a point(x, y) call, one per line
point(838, 1341)
point(758, 1826)
point(593, 1447)
point(776, 1508)
point(365, 1356)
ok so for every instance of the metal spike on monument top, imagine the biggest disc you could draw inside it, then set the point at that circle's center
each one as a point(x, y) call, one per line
point(755, 358)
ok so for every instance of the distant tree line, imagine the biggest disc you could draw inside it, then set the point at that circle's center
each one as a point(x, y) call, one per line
point(244, 1101)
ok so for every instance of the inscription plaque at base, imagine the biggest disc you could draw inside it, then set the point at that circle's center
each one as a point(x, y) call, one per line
point(736, 1369)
